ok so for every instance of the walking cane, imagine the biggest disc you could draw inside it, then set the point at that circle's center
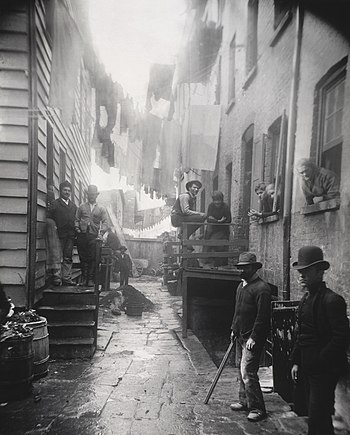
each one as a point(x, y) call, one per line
point(218, 373)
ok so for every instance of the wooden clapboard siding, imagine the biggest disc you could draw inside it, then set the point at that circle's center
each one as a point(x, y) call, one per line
point(13, 79)
point(10, 258)
point(14, 103)
point(13, 223)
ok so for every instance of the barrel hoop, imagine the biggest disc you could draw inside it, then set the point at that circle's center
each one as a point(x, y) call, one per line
point(18, 357)
point(44, 360)
point(40, 338)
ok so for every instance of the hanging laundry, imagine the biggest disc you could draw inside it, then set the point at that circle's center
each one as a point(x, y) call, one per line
point(169, 155)
point(160, 89)
point(150, 143)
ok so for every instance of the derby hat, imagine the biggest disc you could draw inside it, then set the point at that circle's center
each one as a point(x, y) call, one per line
point(123, 248)
point(248, 258)
point(190, 183)
point(309, 256)
point(92, 189)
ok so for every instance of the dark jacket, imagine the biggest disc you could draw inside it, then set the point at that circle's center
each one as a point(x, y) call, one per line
point(125, 263)
point(64, 216)
point(252, 311)
point(332, 326)
point(91, 221)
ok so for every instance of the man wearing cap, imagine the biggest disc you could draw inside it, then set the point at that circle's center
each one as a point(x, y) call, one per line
point(62, 211)
point(90, 221)
point(322, 337)
point(250, 327)
point(184, 209)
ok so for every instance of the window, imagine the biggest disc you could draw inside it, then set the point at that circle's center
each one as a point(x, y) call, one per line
point(49, 17)
point(232, 66)
point(62, 166)
point(228, 180)
point(72, 182)
point(218, 83)
point(80, 192)
point(252, 35)
point(215, 183)
point(281, 8)
point(49, 154)
point(330, 110)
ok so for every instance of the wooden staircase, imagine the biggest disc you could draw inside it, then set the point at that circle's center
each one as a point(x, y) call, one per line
point(72, 314)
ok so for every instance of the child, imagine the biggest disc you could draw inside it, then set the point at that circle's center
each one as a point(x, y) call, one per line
point(125, 266)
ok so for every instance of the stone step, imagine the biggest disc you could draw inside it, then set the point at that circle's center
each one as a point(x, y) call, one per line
point(59, 330)
point(65, 313)
point(68, 296)
point(72, 348)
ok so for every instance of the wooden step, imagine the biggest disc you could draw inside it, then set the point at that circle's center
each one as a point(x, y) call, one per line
point(72, 348)
point(68, 296)
point(65, 313)
point(58, 330)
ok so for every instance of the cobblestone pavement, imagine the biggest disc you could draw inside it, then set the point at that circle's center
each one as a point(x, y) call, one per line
point(144, 380)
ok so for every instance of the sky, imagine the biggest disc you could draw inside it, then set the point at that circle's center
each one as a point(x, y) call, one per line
point(130, 35)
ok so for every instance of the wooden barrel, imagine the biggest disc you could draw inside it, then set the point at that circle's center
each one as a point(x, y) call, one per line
point(134, 309)
point(40, 347)
point(16, 367)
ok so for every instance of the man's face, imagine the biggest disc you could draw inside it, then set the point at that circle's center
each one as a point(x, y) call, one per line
point(92, 197)
point(310, 276)
point(305, 173)
point(194, 189)
point(65, 193)
point(247, 271)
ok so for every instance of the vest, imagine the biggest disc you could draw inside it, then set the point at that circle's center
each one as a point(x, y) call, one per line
point(176, 210)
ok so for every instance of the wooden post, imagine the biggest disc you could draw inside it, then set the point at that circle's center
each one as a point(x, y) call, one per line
point(32, 157)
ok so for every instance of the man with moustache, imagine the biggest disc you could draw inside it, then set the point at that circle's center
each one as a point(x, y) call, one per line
point(319, 355)
point(250, 327)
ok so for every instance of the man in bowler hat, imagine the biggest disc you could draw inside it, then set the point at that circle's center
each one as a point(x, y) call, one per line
point(184, 209)
point(90, 222)
point(319, 355)
point(250, 327)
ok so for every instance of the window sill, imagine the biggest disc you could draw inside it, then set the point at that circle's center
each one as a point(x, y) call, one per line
point(281, 28)
point(320, 207)
point(250, 77)
point(229, 106)
point(268, 219)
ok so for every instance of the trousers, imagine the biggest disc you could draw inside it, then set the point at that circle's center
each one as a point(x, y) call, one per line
point(250, 393)
point(86, 243)
point(319, 384)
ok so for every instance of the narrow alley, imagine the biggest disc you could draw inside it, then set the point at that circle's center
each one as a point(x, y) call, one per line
point(144, 379)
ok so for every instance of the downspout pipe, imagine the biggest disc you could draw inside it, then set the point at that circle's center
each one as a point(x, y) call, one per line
point(292, 124)
point(32, 158)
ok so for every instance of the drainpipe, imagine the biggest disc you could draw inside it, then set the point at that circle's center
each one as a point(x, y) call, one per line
point(32, 158)
point(293, 111)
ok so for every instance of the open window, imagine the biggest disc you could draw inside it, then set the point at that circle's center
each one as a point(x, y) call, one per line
point(252, 36)
point(231, 74)
point(330, 109)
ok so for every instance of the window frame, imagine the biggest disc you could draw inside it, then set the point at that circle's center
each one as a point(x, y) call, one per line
point(331, 80)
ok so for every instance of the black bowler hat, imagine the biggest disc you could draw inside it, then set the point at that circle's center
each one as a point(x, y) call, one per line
point(309, 256)
point(192, 182)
